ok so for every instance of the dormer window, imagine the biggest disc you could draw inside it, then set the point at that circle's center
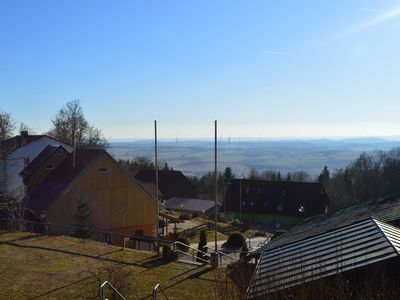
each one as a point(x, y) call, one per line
point(102, 170)
point(50, 167)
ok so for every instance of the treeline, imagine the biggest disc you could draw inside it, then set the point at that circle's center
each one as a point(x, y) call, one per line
point(370, 176)
point(272, 175)
point(140, 163)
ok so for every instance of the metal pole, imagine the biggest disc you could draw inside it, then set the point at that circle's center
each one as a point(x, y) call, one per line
point(156, 168)
point(240, 200)
point(216, 186)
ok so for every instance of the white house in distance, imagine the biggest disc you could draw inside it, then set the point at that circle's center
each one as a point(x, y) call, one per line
point(16, 153)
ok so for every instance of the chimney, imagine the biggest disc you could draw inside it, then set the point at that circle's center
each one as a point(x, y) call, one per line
point(24, 133)
point(74, 154)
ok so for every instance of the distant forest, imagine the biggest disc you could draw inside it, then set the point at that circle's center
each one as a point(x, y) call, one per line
point(370, 176)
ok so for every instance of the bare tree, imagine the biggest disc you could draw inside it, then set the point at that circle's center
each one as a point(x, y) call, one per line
point(70, 125)
point(25, 127)
point(7, 126)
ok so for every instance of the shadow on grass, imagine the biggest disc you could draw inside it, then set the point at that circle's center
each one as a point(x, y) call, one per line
point(195, 275)
point(152, 262)
point(97, 257)
point(22, 238)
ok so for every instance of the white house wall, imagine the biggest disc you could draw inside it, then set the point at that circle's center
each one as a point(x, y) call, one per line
point(16, 161)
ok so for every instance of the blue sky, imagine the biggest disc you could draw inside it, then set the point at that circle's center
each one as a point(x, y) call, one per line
point(261, 68)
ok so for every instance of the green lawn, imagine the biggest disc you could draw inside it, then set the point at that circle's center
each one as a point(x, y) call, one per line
point(210, 237)
point(43, 267)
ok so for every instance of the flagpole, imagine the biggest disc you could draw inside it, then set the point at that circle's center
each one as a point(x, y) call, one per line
point(216, 186)
point(156, 169)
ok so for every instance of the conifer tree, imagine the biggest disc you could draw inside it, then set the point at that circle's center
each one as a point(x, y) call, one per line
point(82, 220)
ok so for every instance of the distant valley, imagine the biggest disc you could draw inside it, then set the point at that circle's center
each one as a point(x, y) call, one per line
point(196, 157)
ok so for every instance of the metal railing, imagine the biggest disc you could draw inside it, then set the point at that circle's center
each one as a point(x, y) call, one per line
point(101, 290)
point(221, 255)
point(109, 237)
point(193, 256)
point(155, 289)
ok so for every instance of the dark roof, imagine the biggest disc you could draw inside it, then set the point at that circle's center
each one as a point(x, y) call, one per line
point(11, 144)
point(39, 160)
point(170, 183)
point(386, 209)
point(349, 247)
point(262, 196)
point(188, 204)
point(41, 196)
point(151, 188)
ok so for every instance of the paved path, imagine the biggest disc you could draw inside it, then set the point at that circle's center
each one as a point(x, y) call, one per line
point(254, 243)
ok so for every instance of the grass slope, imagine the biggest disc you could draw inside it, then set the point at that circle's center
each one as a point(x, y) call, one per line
point(43, 267)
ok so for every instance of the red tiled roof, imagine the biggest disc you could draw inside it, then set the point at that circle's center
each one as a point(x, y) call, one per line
point(43, 195)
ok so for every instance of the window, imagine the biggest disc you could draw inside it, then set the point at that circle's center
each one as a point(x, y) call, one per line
point(50, 167)
point(251, 203)
point(102, 170)
point(301, 209)
point(283, 193)
point(121, 206)
point(280, 207)
point(247, 190)
point(265, 204)
point(59, 153)
point(258, 192)
point(243, 202)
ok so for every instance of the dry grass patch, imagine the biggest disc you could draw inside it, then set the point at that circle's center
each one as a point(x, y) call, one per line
point(41, 267)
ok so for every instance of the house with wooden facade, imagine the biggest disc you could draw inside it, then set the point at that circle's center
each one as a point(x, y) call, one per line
point(118, 203)
point(15, 154)
point(43, 164)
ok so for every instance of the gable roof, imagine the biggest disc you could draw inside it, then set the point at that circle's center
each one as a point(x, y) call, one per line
point(170, 183)
point(189, 204)
point(45, 193)
point(41, 196)
point(349, 247)
point(13, 143)
point(18, 141)
point(386, 209)
point(39, 160)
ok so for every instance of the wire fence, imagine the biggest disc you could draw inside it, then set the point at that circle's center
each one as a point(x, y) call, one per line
point(140, 242)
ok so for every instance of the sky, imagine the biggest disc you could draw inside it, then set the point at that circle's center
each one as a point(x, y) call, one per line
point(266, 68)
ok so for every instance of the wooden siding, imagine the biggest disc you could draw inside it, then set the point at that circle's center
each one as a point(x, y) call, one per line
point(38, 175)
point(105, 193)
